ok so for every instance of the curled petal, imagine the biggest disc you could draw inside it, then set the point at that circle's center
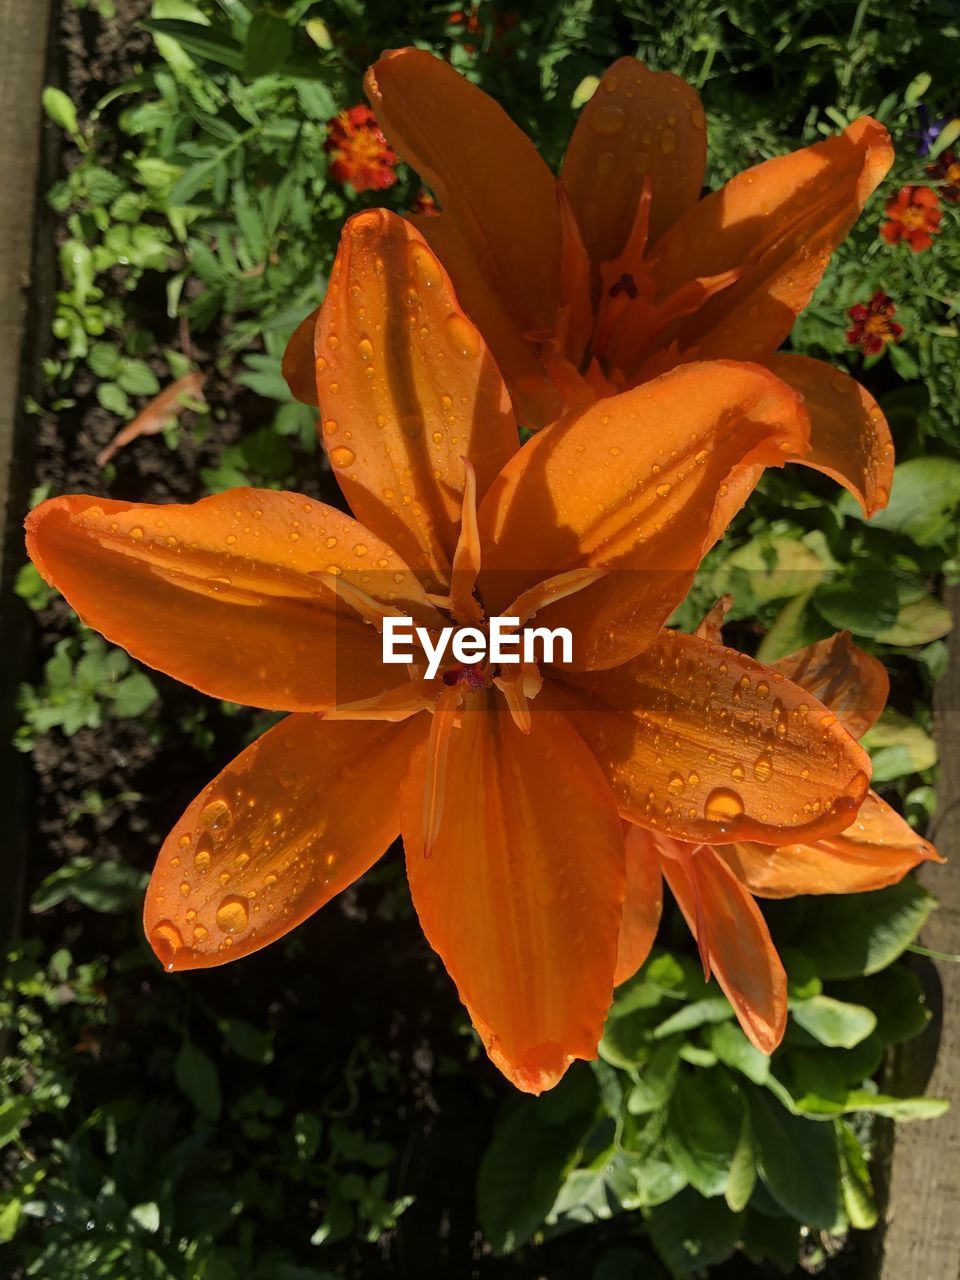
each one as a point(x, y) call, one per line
point(638, 123)
point(297, 817)
point(522, 891)
point(849, 437)
point(299, 363)
point(707, 745)
point(851, 683)
point(642, 904)
point(781, 220)
point(711, 625)
point(640, 484)
point(230, 594)
point(729, 927)
point(877, 849)
point(409, 393)
point(498, 230)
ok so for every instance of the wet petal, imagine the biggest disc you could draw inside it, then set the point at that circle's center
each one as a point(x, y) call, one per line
point(743, 958)
point(642, 905)
point(849, 437)
point(705, 744)
point(781, 219)
point(638, 122)
point(297, 817)
point(498, 231)
point(408, 390)
point(877, 849)
point(641, 484)
point(298, 360)
point(229, 594)
point(851, 683)
point(522, 891)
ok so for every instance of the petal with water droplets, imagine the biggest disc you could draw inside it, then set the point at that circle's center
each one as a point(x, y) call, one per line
point(849, 437)
point(707, 745)
point(639, 484)
point(642, 904)
point(408, 390)
point(230, 594)
point(841, 675)
point(295, 819)
point(638, 123)
point(877, 849)
point(728, 925)
point(521, 893)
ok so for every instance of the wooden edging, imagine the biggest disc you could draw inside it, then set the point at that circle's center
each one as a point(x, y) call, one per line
point(921, 1239)
point(25, 295)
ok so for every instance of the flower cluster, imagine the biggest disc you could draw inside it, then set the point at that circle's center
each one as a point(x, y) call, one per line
point(873, 325)
point(913, 216)
point(540, 803)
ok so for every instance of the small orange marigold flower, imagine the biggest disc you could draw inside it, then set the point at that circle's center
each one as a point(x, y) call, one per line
point(359, 152)
point(947, 171)
point(914, 215)
point(873, 325)
point(425, 205)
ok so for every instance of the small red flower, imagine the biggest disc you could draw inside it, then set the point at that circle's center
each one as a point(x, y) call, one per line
point(359, 152)
point(424, 205)
point(947, 171)
point(914, 216)
point(873, 325)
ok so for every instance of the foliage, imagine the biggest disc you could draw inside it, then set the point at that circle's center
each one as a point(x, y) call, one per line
point(161, 1138)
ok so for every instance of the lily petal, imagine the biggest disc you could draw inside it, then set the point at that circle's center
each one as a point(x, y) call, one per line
point(640, 484)
point(498, 230)
point(408, 391)
point(642, 905)
point(299, 363)
point(850, 440)
point(638, 122)
point(521, 893)
point(781, 219)
point(709, 746)
point(742, 955)
point(229, 594)
point(303, 812)
point(851, 683)
point(876, 850)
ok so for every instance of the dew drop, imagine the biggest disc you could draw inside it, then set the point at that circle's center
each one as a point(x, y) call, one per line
point(607, 119)
point(411, 425)
point(216, 815)
point(200, 933)
point(365, 350)
point(233, 914)
point(136, 533)
point(662, 490)
point(763, 768)
point(166, 940)
point(723, 806)
point(341, 456)
point(425, 265)
point(676, 784)
point(463, 336)
point(202, 860)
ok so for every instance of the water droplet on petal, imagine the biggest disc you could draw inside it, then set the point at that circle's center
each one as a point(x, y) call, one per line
point(763, 768)
point(365, 350)
point(341, 456)
point(463, 336)
point(723, 806)
point(233, 915)
point(607, 119)
point(166, 940)
point(216, 815)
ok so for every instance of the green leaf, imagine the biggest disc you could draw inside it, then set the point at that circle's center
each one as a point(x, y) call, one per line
point(697, 1014)
point(732, 1048)
point(796, 625)
point(896, 996)
point(13, 1115)
point(864, 602)
point(882, 1104)
point(197, 1076)
point(924, 497)
point(742, 1176)
point(832, 1022)
point(918, 622)
point(209, 43)
point(146, 1215)
point(898, 746)
point(133, 695)
point(268, 45)
point(522, 1170)
point(247, 1041)
point(656, 1077)
point(706, 1112)
point(797, 1161)
point(855, 1181)
point(691, 1233)
point(854, 934)
point(109, 886)
point(771, 566)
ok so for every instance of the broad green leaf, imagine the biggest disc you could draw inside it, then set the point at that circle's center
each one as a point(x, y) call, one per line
point(197, 1076)
point(742, 1176)
point(772, 566)
point(847, 936)
point(268, 44)
point(797, 1161)
point(691, 1233)
point(918, 622)
point(697, 1014)
point(833, 1022)
point(13, 1115)
point(796, 625)
point(896, 996)
point(855, 1180)
point(211, 43)
point(864, 602)
point(898, 746)
point(703, 1129)
point(732, 1048)
point(656, 1077)
point(925, 494)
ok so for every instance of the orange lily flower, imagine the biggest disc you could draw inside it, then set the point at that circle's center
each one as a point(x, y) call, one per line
point(715, 885)
point(621, 271)
point(511, 819)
